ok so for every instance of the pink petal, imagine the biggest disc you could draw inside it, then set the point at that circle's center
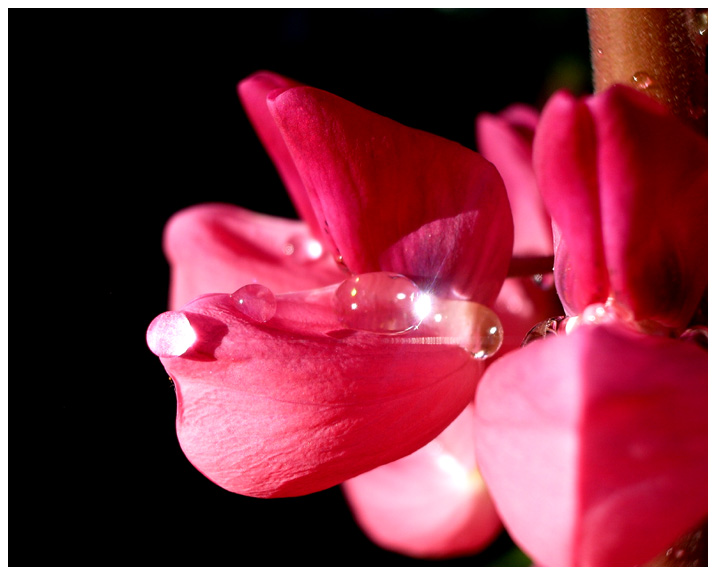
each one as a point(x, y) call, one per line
point(253, 92)
point(626, 185)
point(430, 504)
point(506, 141)
point(219, 248)
point(653, 173)
point(397, 199)
point(566, 168)
point(279, 408)
point(594, 445)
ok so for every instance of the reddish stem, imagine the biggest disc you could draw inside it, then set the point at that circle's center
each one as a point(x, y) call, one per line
point(660, 51)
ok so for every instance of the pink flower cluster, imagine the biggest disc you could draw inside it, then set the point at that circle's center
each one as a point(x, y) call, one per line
point(378, 343)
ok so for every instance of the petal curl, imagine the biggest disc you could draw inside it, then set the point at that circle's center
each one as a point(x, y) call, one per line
point(566, 170)
point(430, 504)
point(397, 199)
point(219, 248)
point(253, 92)
point(594, 445)
point(281, 409)
point(626, 185)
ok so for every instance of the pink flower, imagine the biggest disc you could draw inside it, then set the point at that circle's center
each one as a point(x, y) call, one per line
point(281, 389)
point(594, 443)
point(433, 503)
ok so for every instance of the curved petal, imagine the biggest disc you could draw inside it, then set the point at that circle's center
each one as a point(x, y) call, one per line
point(506, 141)
point(280, 408)
point(594, 445)
point(626, 185)
point(566, 170)
point(253, 92)
point(397, 199)
point(653, 189)
point(430, 504)
point(219, 248)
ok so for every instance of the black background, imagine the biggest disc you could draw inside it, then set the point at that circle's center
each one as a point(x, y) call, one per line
point(121, 118)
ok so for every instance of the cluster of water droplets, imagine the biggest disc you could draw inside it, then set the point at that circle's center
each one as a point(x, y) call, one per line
point(392, 304)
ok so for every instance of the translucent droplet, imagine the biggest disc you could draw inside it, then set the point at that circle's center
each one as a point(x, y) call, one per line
point(256, 302)
point(698, 334)
point(470, 325)
point(378, 302)
point(303, 248)
point(642, 80)
point(170, 334)
point(547, 328)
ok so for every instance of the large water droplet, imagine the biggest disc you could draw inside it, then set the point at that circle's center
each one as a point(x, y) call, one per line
point(378, 302)
point(256, 302)
point(642, 80)
point(303, 248)
point(170, 334)
point(472, 326)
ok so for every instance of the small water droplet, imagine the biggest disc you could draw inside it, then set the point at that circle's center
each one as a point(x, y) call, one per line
point(698, 334)
point(255, 301)
point(547, 328)
point(643, 80)
point(170, 334)
point(303, 248)
point(378, 302)
point(544, 281)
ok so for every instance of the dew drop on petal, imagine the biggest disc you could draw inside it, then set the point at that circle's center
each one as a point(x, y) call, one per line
point(303, 248)
point(470, 325)
point(170, 334)
point(378, 302)
point(255, 301)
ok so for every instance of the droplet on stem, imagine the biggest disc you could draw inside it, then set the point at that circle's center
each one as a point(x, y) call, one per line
point(642, 80)
point(170, 334)
point(255, 301)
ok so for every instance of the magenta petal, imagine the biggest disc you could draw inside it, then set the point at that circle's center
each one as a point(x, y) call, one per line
point(594, 445)
point(506, 141)
point(219, 248)
point(253, 92)
point(432, 503)
point(382, 191)
point(278, 408)
point(566, 169)
point(653, 187)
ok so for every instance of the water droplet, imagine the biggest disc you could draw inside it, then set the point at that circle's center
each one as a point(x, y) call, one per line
point(170, 334)
point(698, 334)
point(378, 302)
point(303, 248)
point(472, 326)
point(547, 328)
point(642, 80)
point(256, 302)
point(600, 52)
point(544, 281)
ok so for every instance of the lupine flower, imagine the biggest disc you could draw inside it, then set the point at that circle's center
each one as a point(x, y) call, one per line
point(364, 339)
point(434, 503)
point(593, 443)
